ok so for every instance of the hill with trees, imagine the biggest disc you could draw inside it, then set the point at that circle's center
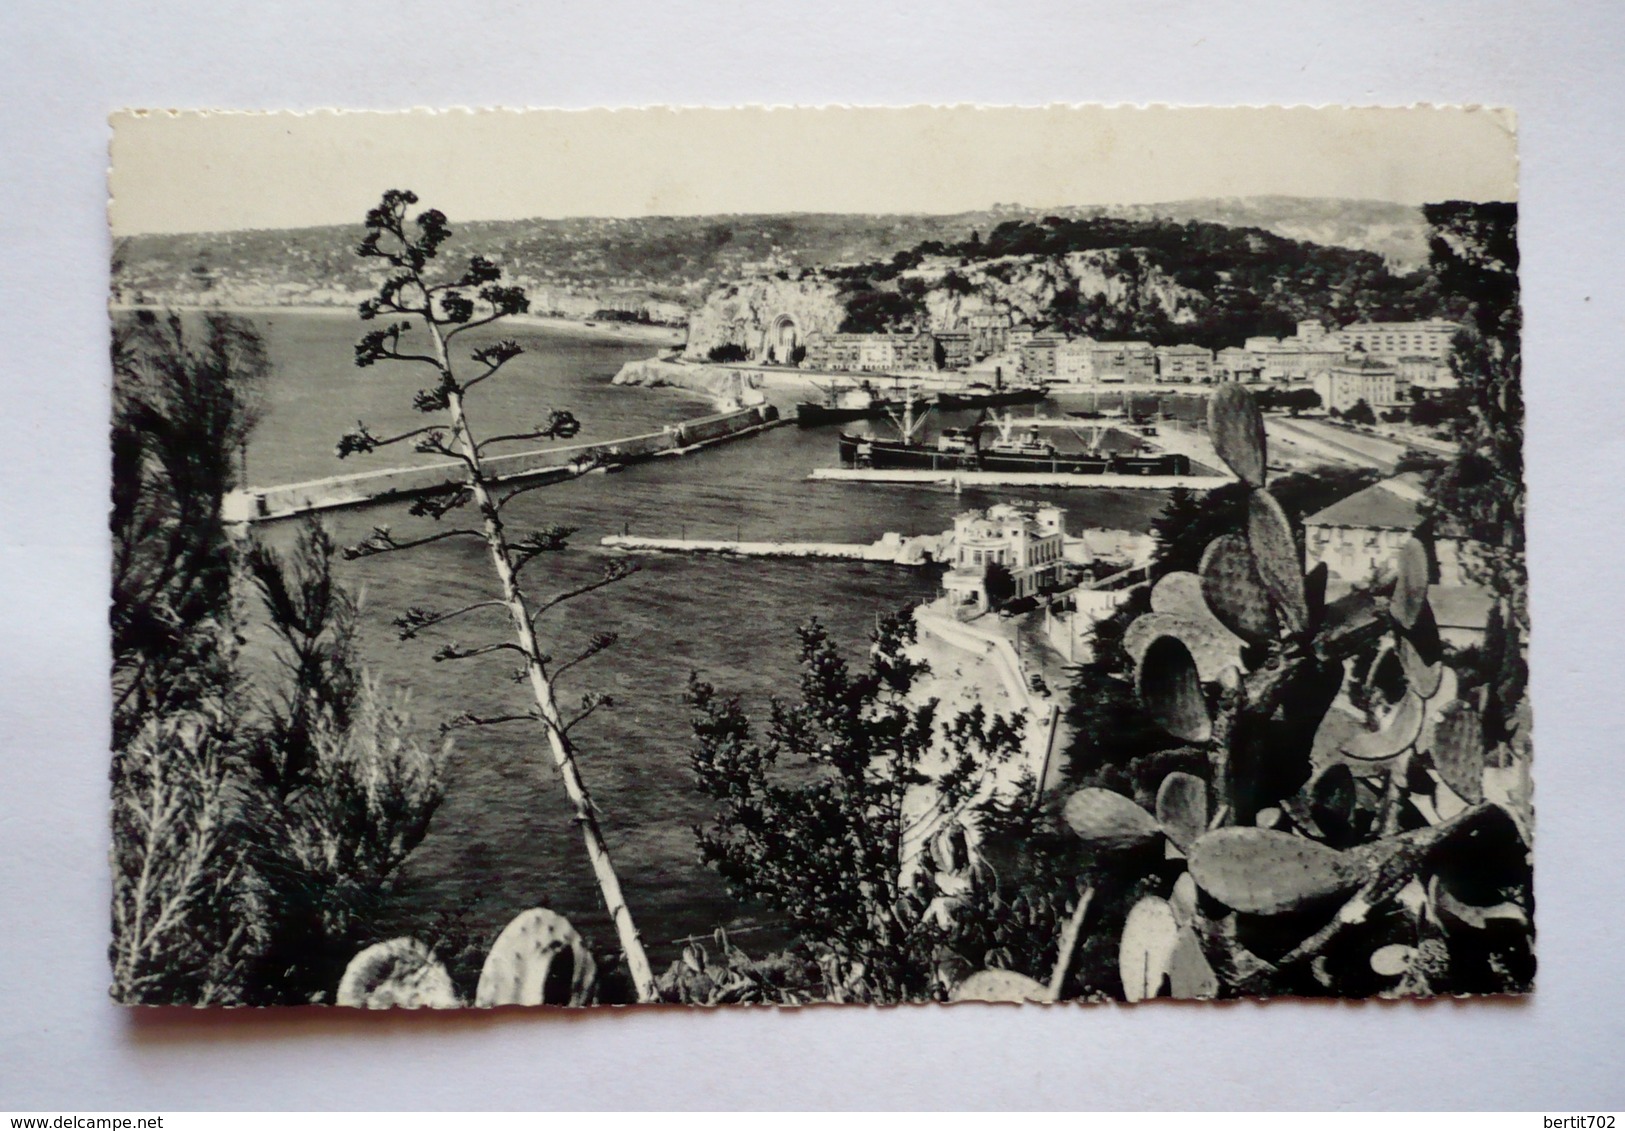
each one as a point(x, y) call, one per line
point(580, 265)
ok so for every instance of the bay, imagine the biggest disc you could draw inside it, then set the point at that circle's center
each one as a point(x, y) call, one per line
point(503, 839)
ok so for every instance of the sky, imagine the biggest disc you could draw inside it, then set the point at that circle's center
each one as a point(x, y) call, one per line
point(200, 171)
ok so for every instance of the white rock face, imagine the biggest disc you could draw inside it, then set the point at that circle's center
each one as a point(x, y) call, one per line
point(722, 385)
point(742, 314)
point(1024, 287)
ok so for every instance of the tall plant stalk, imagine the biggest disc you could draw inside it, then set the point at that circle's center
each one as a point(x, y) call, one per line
point(448, 309)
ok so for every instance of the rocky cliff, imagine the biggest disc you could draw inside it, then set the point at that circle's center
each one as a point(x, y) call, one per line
point(725, 387)
point(744, 313)
point(1027, 288)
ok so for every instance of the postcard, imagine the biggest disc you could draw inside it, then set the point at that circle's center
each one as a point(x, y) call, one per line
point(790, 555)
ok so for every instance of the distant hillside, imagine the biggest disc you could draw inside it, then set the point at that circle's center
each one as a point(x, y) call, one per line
point(1397, 232)
point(666, 265)
point(1158, 279)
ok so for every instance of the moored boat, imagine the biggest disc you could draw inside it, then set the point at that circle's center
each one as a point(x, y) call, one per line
point(1013, 449)
point(860, 402)
point(979, 395)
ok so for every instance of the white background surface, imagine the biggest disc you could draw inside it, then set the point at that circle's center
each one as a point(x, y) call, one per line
point(64, 66)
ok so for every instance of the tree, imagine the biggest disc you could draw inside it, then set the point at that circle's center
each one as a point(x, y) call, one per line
point(1301, 400)
point(257, 825)
point(727, 352)
point(1429, 414)
point(998, 583)
point(831, 850)
point(1360, 413)
point(1474, 252)
point(182, 413)
point(446, 304)
point(1188, 522)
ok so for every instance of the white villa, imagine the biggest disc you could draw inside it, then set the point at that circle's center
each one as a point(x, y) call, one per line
point(1030, 542)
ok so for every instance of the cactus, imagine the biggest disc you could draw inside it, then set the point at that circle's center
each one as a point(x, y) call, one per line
point(398, 974)
point(1235, 592)
point(1264, 872)
point(1157, 950)
point(999, 986)
point(1246, 661)
point(1172, 691)
point(1182, 808)
point(1109, 821)
point(538, 959)
point(1237, 429)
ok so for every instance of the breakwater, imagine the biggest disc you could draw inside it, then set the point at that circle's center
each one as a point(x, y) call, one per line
point(264, 504)
point(960, 479)
point(891, 549)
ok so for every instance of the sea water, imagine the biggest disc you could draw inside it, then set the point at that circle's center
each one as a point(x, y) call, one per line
point(503, 839)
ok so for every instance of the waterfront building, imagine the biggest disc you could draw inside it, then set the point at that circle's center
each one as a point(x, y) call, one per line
point(1074, 361)
point(1234, 363)
point(1028, 542)
point(989, 332)
point(1312, 334)
point(955, 348)
point(1392, 340)
point(871, 353)
point(1133, 362)
point(1343, 386)
point(1359, 537)
point(1038, 355)
point(1188, 364)
point(1431, 375)
point(1291, 363)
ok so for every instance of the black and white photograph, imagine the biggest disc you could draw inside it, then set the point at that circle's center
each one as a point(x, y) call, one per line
point(786, 556)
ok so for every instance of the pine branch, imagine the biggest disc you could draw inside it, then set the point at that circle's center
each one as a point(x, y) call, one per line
point(577, 469)
point(590, 702)
point(437, 505)
point(493, 357)
point(360, 440)
point(548, 540)
point(559, 426)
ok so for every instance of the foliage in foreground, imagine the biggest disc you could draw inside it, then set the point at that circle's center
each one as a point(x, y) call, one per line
point(261, 804)
point(1291, 844)
point(854, 815)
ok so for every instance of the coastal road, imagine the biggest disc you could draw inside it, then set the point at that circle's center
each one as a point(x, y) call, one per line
point(1338, 444)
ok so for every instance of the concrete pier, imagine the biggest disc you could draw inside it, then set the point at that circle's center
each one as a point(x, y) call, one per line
point(264, 504)
point(1017, 479)
point(892, 549)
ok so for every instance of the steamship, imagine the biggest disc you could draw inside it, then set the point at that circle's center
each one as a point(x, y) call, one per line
point(1004, 447)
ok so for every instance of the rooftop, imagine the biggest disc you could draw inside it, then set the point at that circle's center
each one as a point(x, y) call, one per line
point(1389, 505)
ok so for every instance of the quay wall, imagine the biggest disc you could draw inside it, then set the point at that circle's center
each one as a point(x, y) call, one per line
point(259, 504)
point(892, 549)
point(1019, 478)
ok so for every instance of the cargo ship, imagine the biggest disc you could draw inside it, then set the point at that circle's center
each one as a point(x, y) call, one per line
point(1011, 449)
point(979, 394)
point(861, 402)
